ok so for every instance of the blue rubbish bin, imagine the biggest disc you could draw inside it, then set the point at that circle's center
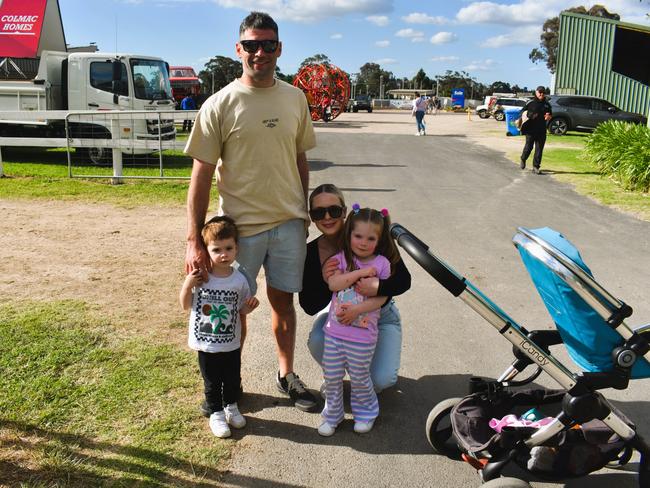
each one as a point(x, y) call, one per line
point(511, 117)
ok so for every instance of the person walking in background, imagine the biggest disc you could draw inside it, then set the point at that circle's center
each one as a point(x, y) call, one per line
point(187, 103)
point(535, 115)
point(255, 133)
point(351, 327)
point(215, 325)
point(419, 108)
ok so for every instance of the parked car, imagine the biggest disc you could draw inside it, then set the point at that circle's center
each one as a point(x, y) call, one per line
point(360, 102)
point(503, 104)
point(583, 113)
point(496, 107)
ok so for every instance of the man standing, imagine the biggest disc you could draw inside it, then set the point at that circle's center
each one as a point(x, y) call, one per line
point(537, 112)
point(255, 133)
point(187, 103)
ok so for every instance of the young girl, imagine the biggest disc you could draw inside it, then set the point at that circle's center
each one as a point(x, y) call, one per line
point(351, 327)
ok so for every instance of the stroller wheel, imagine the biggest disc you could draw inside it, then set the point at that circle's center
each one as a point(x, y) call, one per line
point(439, 432)
point(622, 458)
point(506, 483)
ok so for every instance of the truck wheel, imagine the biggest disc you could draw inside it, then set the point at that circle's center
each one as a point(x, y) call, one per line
point(500, 116)
point(355, 109)
point(97, 156)
point(558, 126)
point(483, 114)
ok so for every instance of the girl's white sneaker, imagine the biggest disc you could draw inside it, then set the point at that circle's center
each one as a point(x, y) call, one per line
point(326, 430)
point(361, 427)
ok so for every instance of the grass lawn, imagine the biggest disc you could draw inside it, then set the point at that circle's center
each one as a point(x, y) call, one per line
point(43, 173)
point(568, 164)
point(82, 406)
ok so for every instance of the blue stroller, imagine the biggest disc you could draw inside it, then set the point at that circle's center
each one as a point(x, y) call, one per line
point(582, 432)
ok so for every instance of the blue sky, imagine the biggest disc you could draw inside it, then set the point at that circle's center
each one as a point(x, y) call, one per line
point(489, 39)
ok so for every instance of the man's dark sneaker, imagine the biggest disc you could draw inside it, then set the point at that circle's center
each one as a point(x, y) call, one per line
point(293, 386)
point(537, 171)
point(522, 164)
point(206, 412)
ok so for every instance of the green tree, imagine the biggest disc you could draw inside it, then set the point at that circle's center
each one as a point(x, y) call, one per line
point(316, 59)
point(370, 78)
point(218, 72)
point(421, 81)
point(500, 87)
point(549, 38)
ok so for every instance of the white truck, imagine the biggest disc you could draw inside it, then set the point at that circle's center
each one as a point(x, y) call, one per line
point(74, 82)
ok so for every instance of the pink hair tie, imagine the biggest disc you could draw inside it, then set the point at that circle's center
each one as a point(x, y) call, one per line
point(384, 212)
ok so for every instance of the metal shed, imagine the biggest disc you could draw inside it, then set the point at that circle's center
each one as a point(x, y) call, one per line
point(604, 58)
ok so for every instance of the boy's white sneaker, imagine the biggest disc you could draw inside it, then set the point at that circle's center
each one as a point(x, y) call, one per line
point(418, 133)
point(326, 429)
point(233, 417)
point(361, 427)
point(218, 425)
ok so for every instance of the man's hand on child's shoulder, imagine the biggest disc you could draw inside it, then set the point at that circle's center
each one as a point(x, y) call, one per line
point(250, 304)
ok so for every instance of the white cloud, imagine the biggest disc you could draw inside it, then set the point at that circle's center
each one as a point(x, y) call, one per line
point(409, 33)
point(485, 65)
point(523, 12)
point(421, 18)
point(444, 58)
point(417, 39)
point(336, 36)
point(527, 36)
point(382, 43)
point(443, 38)
point(380, 20)
point(310, 11)
point(385, 61)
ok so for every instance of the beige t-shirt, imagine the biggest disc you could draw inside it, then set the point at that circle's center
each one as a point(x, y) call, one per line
point(253, 135)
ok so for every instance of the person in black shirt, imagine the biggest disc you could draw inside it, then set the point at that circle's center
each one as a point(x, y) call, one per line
point(327, 210)
point(535, 115)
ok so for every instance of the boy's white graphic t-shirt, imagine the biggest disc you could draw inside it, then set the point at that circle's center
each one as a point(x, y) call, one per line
point(214, 320)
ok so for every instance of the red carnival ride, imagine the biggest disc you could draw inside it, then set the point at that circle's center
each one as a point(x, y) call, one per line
point(320, 82)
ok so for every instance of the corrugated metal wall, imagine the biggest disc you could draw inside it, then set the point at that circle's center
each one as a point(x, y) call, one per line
point(584, 63)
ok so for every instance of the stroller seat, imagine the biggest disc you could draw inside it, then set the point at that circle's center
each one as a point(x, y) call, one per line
point(579, 306)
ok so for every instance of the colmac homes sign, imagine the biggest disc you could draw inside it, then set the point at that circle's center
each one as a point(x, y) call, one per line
point(21, 22)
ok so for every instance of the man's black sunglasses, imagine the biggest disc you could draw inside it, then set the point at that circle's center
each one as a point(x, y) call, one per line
point(318, 213)
point(268, 46)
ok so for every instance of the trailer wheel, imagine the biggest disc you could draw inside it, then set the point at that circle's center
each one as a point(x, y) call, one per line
point(506, 483)
point(438, 429)
point(97, 156)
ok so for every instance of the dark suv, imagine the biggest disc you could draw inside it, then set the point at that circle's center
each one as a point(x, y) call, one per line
point(582, 113)
point(360, 102)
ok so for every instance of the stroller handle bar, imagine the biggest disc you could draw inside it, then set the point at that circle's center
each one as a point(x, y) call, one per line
point(418, 250)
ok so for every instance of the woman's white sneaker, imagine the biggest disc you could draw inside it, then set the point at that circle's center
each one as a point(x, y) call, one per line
point(233, 417)
point(219, 425)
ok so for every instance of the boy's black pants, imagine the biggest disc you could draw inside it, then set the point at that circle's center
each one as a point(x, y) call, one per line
point(221, 377)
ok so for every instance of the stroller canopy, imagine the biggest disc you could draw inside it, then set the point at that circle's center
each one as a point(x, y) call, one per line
point(587, 336)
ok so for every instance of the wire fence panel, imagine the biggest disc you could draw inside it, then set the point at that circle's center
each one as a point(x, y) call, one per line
point(128, 144)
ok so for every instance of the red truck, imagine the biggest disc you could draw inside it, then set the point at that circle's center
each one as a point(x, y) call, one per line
point(184, 81)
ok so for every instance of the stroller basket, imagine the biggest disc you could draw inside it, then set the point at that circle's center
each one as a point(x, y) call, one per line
point(584, 427)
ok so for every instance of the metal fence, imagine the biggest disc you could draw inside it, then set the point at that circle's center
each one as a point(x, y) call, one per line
point(109, 144)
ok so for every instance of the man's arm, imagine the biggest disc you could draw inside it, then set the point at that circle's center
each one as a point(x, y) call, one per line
point(303, 171)
point(198, 200)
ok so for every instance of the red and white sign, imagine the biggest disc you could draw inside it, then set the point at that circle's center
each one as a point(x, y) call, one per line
point(20, 27)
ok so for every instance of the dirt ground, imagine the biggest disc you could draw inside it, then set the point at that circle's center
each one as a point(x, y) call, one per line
point(128, 262)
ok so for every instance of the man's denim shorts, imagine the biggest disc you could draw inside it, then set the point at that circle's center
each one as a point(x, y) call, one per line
point(281, 250)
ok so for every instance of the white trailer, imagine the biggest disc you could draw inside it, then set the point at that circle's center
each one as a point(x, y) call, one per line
point(89, 81)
